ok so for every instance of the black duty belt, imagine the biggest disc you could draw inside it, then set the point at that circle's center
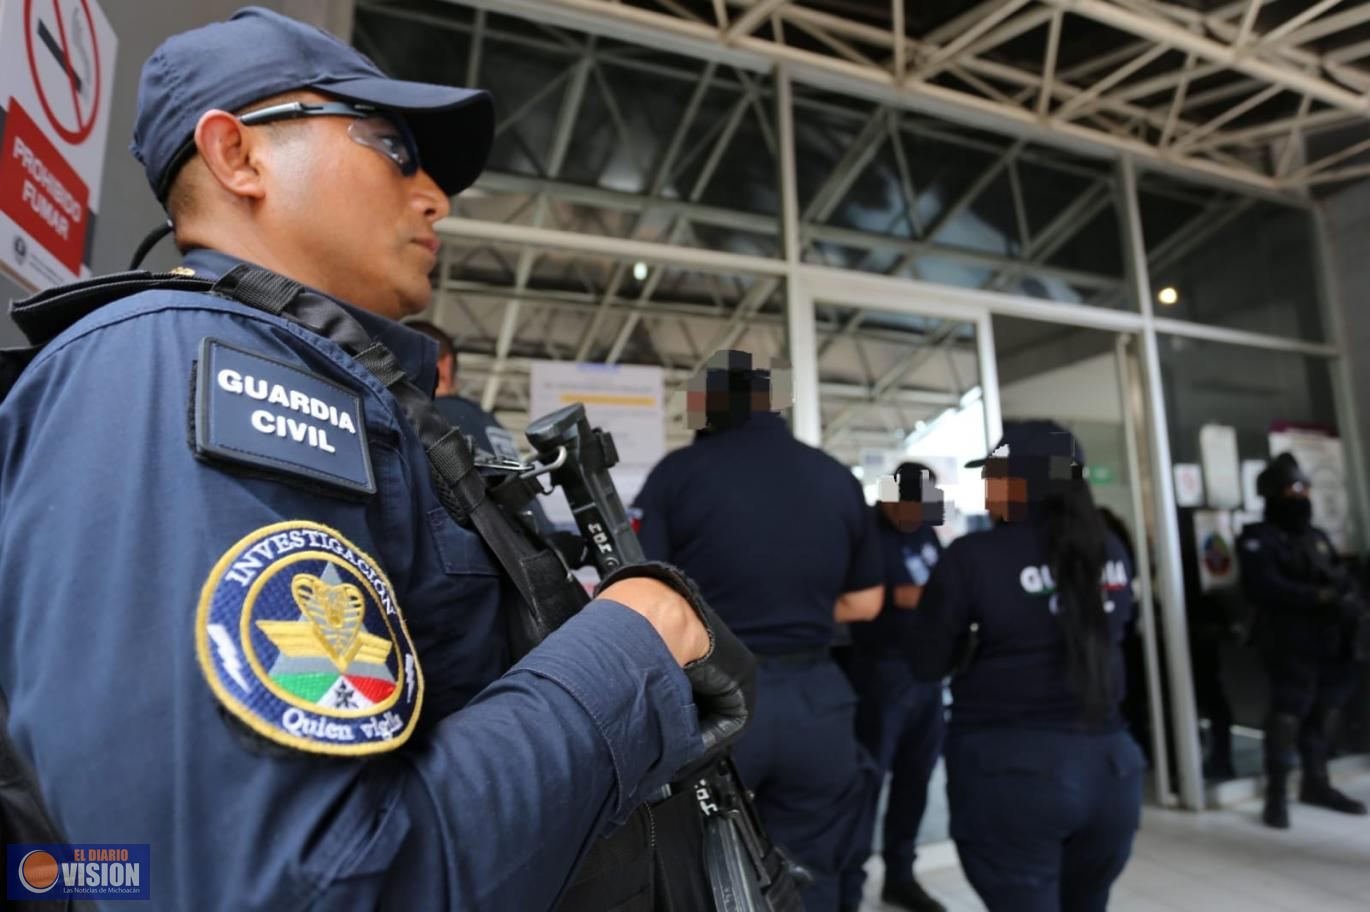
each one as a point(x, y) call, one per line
point(802, 659)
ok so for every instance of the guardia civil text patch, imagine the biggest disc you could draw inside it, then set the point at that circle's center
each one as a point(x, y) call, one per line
point(262, 412)
point(299, 636)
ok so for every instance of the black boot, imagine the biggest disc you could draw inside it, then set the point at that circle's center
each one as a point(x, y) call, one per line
point(1315, 787)
point(1280, 733)
point(908, 894)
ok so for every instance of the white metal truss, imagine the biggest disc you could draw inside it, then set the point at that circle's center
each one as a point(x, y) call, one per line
point(1201, 92)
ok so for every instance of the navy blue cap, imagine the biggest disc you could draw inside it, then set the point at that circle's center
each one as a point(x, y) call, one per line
point(1035, 439)
point(259, 53)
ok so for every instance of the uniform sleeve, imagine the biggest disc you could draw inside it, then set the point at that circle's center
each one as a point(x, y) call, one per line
point(941, 624)
point(110, 530)
point(654, 529)
point(518, 785)
point(1264, 580)
point(866, 566)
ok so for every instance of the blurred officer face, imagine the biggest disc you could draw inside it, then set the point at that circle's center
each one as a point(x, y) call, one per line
point(308, 199)
point(1006, 495)
point(1297, 489)
point(904, 515)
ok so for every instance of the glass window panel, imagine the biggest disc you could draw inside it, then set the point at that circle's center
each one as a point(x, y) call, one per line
point(1228, 260)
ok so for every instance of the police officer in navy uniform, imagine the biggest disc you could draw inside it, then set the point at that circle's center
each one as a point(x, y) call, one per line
point(475, 422)
point(487, 434)
point(1044, 784)
point(781, 542)
point(1311, 626)
point(240, 626)
point(899, 718)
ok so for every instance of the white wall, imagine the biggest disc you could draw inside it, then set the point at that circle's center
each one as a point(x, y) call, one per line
point(1084, 391)
point(1348, 222)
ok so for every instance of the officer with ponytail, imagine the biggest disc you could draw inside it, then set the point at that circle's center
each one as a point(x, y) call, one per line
point(1044, 783)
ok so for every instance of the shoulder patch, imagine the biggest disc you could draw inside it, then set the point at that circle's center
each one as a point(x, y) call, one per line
point(261, 412)
point(299, 636)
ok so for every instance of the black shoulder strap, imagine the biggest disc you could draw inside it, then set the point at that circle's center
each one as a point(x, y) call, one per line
point(550, 592)
point(43, 316)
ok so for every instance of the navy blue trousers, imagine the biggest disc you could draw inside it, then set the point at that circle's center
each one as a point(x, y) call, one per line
point(811, 778)
point(899, 720)
point(1310, 667)
point(1043, 821)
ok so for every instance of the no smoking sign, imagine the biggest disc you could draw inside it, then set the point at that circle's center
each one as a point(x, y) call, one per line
point(64, 61)
point(56, 76)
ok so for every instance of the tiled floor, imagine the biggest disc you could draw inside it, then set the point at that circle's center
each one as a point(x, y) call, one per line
point(1214, 862)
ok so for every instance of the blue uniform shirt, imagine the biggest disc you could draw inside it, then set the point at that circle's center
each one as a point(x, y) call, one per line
point(998, 579)
point(492, 437)
point(908, 559)
point(478, 424)
point(116, 528)
point(771, 529)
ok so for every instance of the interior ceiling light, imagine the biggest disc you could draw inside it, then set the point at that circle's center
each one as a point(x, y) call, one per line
point(640, 271)
point(1168, 296)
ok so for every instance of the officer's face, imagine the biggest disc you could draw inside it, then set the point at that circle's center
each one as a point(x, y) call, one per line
point(904, 515)
point(363, 231)
point(1006, 496)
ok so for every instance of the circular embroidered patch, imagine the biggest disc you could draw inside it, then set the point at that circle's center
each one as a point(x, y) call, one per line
point(299, 636)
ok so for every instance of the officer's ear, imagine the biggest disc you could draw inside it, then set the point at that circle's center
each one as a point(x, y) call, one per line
point(228, 150)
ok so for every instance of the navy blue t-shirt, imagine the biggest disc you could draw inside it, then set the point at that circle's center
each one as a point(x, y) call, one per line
point(908, 559)
point(772, 530)
point(489, 435)
point(999, 579)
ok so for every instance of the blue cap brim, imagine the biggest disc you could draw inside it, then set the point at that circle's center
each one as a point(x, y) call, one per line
point(454, 127)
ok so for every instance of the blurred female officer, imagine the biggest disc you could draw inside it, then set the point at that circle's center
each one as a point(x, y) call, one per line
point(1043, 782)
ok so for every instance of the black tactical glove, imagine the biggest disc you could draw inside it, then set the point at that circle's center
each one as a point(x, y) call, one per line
point(724, 680)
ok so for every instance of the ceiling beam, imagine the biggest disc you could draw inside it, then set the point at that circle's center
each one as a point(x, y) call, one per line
point(700, 40)
point(1164, 32)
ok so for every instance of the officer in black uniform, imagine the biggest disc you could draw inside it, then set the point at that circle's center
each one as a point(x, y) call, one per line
point(1311, 629)
point(899, 718)
point(780, 539)
point(1044, 783)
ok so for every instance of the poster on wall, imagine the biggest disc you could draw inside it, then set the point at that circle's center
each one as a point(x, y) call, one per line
point(1320, 455)
point(1222, 478)
point(1252, 501)
point(1189, 485)
point(625, 400)
point(1216, 549)
point(56, 85)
